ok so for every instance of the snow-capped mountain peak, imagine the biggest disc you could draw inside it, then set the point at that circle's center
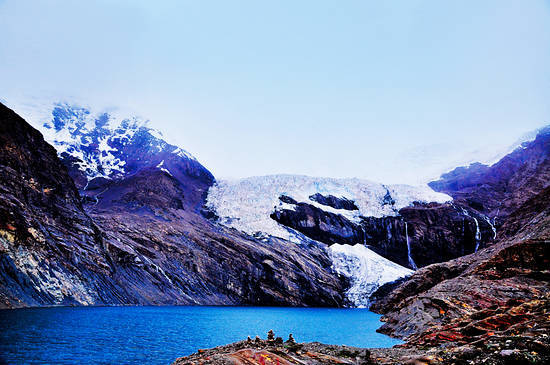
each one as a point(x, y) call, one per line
point(110, 144)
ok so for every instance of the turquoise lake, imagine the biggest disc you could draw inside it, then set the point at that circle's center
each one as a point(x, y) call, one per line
point(158, 335)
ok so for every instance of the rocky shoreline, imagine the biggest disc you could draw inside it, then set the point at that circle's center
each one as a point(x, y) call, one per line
point(273, 351)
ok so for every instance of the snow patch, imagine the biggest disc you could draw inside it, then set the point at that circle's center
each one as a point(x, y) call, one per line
point(366, 270)
point(183, 153)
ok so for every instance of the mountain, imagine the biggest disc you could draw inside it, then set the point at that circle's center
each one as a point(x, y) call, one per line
point(137, 235)
point(499, 295)
point(99, 146)
point(123, 169)
point(120, 216)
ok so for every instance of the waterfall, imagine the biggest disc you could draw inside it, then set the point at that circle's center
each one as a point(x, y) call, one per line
point(478, 234)
point(364, 236)
point(411, 261)
point(492, 227)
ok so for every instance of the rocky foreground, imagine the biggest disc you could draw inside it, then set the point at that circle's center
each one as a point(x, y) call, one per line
point(273, 351)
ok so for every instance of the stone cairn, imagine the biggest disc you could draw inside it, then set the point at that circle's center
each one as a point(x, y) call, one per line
point(271, 339)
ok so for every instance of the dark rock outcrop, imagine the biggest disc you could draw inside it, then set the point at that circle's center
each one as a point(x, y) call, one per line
point(318, 224)
point(334, 202)
point(436, 232)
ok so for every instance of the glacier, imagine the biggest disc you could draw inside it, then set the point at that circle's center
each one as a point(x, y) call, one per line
point(365, 269)
point(246, 204)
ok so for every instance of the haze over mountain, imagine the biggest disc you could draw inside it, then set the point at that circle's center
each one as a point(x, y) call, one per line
point(424, 86)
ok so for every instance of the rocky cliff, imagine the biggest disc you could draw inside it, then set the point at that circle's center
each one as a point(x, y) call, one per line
point(419, 235)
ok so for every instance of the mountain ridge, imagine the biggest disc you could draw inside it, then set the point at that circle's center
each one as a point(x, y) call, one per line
point(101, 251)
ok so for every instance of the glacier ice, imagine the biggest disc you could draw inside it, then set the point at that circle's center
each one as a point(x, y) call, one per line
point(246, 204)
point(366, 270)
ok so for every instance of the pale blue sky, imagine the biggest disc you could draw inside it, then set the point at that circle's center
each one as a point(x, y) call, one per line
point(393, 91)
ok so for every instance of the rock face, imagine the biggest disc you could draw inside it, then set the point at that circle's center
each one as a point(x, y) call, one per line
point(137, 238)
point(435, 232)
point(500, 291)
point(317, 223)
point(47, 241)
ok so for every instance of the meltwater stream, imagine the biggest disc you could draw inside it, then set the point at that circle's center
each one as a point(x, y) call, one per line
point(158, 335)
point(412, 264)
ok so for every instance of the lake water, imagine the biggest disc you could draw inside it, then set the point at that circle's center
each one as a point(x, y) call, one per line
point(158, 335)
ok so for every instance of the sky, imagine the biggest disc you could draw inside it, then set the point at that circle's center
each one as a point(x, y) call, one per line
point(391, 91)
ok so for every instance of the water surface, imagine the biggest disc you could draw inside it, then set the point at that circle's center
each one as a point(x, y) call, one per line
point(158, 335)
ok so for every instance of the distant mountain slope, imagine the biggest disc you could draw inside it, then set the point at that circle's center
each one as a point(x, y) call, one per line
point(498, 190)
point(138, 240)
